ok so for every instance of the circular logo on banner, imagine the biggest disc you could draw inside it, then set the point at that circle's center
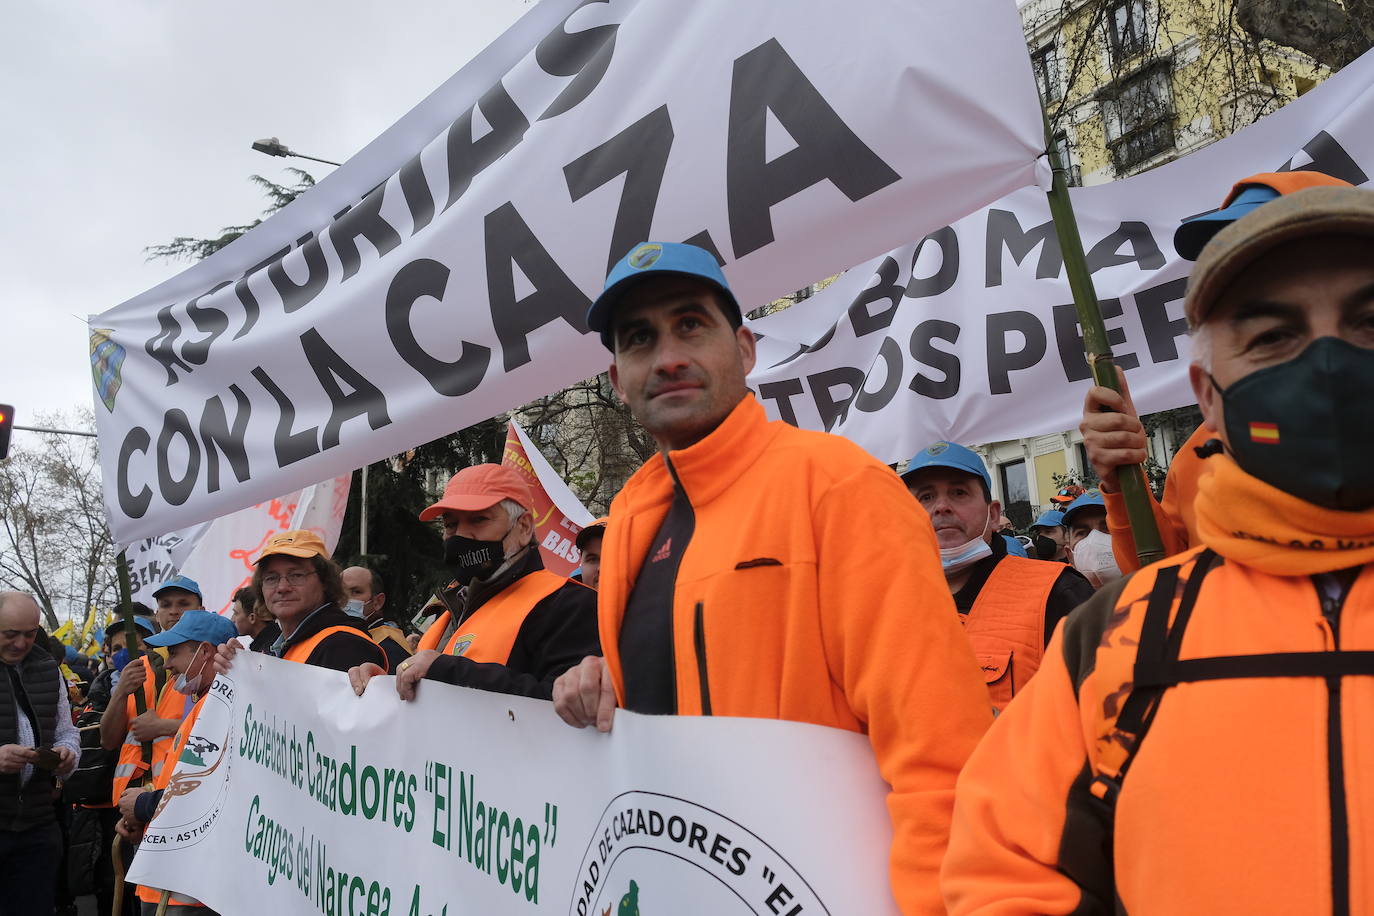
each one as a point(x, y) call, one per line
point(645, 256)
point(197, 790)
point(658, 855)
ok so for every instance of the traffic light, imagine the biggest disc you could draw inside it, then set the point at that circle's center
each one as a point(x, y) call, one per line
point(6, 425)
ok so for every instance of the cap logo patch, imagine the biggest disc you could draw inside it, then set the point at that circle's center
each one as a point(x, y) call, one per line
point(938, 448)
point(645, 256)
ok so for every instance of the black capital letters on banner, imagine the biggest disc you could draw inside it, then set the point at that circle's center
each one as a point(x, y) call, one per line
point(1329, 158)
point(939, 282)
point(509, 241)
point(331, 369)
point(216, 433)
point(586, 55)
point(833, 410)
point(1144, 251)
point(162, 345)
point(297, 295)
point(417, 280)
point(251, 309)
point(782, 394)
point(890, 354)
point(176, 490)
point(767, 79)
point(810, 348)
point(1070, 339)
point(885, 290)
point(1161, 331)
point(363, 219)
point(290, 447)
point(1001, 362)
point(923, 350)
point(419, 198)
point(210, 321)
point(467, 158)
point(1004, 231)
point(134, 505)
point(640, 153)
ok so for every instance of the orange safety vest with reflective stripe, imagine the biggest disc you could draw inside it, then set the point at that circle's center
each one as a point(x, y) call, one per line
point(131, 766)
point(1006, 624)
point(163, 779)
point(300, 652)
point(488, 634)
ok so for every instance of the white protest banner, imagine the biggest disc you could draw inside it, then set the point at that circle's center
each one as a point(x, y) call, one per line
point(558, 514)
point(152, 561)
point(981, 342)
point(296, 797)
point(442, 274)
point(222, 561)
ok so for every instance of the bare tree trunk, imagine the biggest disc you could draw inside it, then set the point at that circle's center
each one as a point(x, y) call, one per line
point(1328, 32)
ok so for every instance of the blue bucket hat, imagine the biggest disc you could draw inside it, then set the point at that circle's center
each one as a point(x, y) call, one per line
point(668, 259)
point(1091, 497)
point(948, 455)
point(1052, 518)
point(196, 626)
point(183, 583)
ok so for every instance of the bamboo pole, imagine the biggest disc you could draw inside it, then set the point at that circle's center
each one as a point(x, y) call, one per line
point(1131, 478)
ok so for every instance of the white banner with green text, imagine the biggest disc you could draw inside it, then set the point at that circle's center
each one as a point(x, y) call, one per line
point(294, 796)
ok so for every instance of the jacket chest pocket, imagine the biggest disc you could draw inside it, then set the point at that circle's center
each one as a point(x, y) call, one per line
point(995, 666)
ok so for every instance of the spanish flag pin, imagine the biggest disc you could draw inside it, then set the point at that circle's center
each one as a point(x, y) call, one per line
point(1267, 433)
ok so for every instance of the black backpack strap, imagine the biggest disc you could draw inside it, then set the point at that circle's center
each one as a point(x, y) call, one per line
point(1156, 656)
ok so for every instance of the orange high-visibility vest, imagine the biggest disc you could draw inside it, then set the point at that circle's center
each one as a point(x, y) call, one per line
point(1006, 624)
point(488, 634)
point(300, 652)
point(163, 779)
point(171, 705)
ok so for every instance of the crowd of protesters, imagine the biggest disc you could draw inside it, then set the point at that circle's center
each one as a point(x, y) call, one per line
point(1006, 684)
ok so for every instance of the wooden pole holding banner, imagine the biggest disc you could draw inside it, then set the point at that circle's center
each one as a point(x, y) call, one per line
point(126, 610)
point(1131, 478)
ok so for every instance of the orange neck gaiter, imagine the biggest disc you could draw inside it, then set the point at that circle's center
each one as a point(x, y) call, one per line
point(1246, 520)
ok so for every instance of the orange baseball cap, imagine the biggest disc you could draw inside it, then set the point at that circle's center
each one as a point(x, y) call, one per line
point(596, 528)
point(480, 487)
point(297, 543)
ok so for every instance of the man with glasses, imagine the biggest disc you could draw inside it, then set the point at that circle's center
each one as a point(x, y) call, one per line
point(37, 742)
point(304, 590)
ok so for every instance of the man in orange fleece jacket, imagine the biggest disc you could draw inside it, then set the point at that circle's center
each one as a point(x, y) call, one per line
point(753, 569)
point(1197, 740)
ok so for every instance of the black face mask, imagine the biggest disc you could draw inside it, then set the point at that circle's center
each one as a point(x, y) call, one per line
point(1307, 426)
point(1045, 547)
point(471, 558)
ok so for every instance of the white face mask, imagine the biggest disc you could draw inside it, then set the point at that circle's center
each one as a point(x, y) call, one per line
point(354, 607)
point(1093, 557)
point(186, 685)
point(956, 559)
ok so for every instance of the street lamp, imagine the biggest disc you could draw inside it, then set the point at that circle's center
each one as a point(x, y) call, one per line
point(274, 147)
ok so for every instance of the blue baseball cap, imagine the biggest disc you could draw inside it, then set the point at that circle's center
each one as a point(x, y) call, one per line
point(118, 627)
point(648, 259)
point(1193, 234)
point(1051, 518)
point(183, 583)
point(948, 455)
point(1091, 497)
point(196, 626)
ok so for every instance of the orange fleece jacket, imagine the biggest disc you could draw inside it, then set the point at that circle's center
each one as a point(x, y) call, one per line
point(822, 601)
point(1226, 808)
point(1175, 517)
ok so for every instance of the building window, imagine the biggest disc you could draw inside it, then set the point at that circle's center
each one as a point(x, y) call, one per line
point(1015, 493)
point(1128, 28)
point(1073, 176)
point(1088, 475)
point(1139, 118)
point(1046, 64)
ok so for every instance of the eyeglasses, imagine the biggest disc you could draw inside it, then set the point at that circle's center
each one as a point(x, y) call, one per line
point(20, 634)
point(297, 578)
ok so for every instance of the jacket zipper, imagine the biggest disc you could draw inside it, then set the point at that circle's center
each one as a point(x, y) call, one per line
point(699, 639)
point(1335, 767)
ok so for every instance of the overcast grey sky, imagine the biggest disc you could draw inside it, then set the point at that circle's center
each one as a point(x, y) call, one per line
point(127, 124)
